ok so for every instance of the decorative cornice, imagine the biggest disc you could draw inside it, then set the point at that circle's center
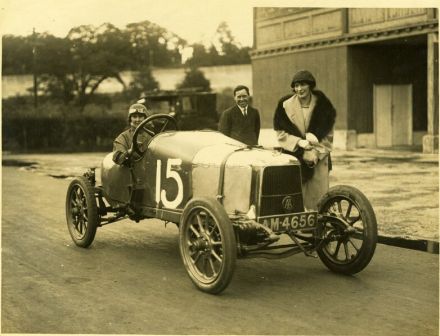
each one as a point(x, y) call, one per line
point(348, 39)
point(268, 13)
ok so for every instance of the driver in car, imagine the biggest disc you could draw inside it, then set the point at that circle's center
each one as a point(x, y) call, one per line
point(122, 144)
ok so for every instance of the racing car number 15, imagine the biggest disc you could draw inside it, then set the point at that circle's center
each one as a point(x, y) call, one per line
point(173, 166)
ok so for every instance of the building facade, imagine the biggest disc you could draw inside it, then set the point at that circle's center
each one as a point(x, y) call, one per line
point(378, 66)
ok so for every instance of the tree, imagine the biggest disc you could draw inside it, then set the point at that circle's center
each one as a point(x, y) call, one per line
point(200, 57)
point(143, 81)
point(53, 60)
point(45, 55)
point(16, 55)
point(73, 68)
point(195, 79)
point(97, 54)
point(153, 45)
point(224, 50)
point(231, 52)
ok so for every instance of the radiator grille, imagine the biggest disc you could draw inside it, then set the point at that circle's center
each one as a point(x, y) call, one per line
point(279, 182)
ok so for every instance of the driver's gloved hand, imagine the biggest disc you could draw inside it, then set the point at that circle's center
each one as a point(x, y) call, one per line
point(122, 158)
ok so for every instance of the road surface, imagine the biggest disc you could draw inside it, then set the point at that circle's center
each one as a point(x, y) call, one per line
point(132, 281)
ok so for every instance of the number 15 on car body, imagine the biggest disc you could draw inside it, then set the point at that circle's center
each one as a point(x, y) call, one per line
point(170, 197)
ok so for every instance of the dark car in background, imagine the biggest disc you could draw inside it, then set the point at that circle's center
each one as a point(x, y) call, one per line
point(193, 109)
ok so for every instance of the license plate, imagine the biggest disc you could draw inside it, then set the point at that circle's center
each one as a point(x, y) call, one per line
point(282, 223)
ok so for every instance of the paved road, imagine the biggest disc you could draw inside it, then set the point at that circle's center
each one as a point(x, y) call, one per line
point(132, 281)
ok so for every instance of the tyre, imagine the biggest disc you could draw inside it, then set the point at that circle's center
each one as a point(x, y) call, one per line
point(81, 212)
point(207, 245)
point(349, 230)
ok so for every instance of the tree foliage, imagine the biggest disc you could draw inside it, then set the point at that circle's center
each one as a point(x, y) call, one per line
point(194, 79)
point(16, 55)
point(143, 81)
point(71, 69)
point(224, 50)
point(153, 45)
point(96, 55)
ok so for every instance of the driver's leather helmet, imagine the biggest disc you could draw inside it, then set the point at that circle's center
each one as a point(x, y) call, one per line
point(138, 108)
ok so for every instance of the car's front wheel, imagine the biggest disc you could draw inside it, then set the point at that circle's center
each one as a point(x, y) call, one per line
point(207, 245)
point(349, 230)
point(81, 212)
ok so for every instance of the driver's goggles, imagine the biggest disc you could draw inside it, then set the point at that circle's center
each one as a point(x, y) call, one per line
point(138, 114)
point(137, 110)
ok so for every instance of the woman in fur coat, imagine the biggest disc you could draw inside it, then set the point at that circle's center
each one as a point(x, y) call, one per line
point(304, 124)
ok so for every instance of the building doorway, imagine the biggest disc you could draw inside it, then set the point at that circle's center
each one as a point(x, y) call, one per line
point(393, 114)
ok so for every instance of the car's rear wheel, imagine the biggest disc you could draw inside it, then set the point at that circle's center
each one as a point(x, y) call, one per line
point(349, 230)
point(81, 212)
point(207, 245)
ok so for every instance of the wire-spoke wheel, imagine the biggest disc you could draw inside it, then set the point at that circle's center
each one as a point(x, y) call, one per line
point(349, 230)
point(207, 245)
point(81, 212)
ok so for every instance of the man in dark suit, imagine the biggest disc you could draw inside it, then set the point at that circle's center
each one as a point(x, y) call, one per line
point(241, 121)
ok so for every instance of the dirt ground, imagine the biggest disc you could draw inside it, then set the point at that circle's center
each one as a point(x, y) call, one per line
point(132, 280)
point(402, 186)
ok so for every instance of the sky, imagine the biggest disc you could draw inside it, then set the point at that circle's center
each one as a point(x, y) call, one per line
point(193, 20)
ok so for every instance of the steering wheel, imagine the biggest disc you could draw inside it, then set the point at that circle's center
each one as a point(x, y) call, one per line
point(147, 126)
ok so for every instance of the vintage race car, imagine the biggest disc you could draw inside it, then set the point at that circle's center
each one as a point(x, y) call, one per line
point(229, 201)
